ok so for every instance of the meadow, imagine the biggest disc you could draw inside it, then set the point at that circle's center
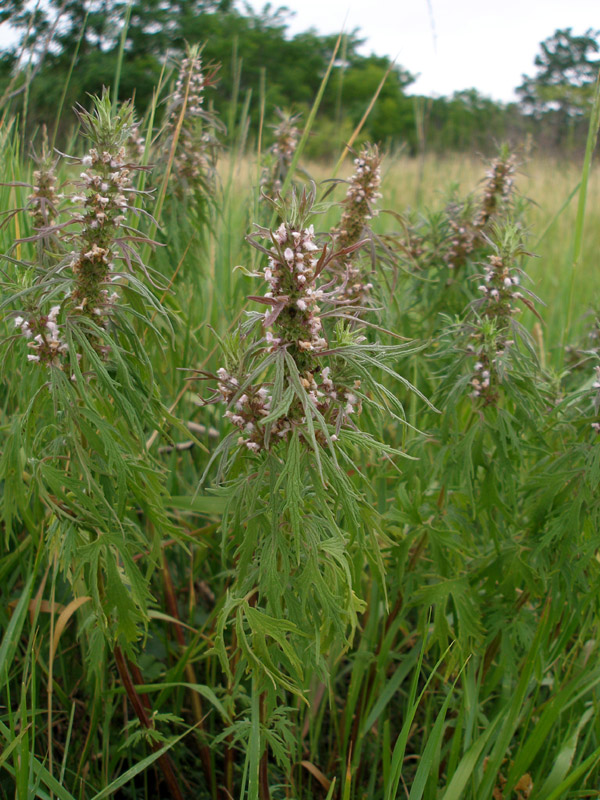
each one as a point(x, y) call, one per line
point(309, 514)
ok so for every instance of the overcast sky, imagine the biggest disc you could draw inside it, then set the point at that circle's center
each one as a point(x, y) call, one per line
point(450, 44)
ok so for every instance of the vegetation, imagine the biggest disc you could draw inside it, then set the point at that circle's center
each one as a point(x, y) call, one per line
point(561, 91)
point(263, 64)
point(299, 473)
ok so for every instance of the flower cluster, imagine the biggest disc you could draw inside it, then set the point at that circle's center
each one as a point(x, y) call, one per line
point(466, 223)
point(43, 201)
point(291, 323)
point(355, 287)
point(499, 288)
point(358, 210)
point(498, 187)
point(44, 337)
point(293, 295)
point(248, 409)
point(90, 241)
point(412, 246)
point(484, 381)
point(136, 144)
point(190, 81)
point(461, 242)
point(490, 341)
point(286, 139)
point(100, 210)
point(334, 400)
point(195, 156)
point(361, 196)
point(280, 154)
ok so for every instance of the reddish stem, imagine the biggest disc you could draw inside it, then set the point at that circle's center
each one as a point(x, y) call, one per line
point(141, 708)
point(263, 773)
point(171, 602)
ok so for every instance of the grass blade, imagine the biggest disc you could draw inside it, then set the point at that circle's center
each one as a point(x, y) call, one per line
point(581, 204)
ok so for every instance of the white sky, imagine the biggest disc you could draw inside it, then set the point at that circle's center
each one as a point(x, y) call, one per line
point(451, 44)
point(486, 44)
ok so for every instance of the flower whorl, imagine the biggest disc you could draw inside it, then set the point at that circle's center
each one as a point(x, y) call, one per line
point(291, 274)
point(462, 237)
point(499, 288)
point(361, 196)
point(490, 342)
point(45, 342)
point(103, 205)
point(498, 187)
point(358, 210)
point(293, 327)
point(190, 80)
point(43, 200)
point(280, 154)
point(195, 155)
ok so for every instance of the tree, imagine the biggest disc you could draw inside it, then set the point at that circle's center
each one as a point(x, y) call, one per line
point(566, 72)
point(255, 50)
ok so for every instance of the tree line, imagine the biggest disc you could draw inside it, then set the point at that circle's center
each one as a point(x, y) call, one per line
point(66, 49)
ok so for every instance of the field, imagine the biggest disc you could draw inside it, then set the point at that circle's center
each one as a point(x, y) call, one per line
point(331, 537)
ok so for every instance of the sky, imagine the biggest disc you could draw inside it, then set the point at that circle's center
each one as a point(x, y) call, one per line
point(450, 44)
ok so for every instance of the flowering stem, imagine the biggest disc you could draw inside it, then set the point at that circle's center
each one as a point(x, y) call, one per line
point(172, 150)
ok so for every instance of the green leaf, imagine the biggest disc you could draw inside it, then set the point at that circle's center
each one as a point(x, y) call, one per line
point(464, 770)
point(142, 765)
point(211, 505)
point(12, 635)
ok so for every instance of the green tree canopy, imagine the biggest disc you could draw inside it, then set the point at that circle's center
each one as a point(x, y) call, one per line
point(566, 72)
point(256, 50)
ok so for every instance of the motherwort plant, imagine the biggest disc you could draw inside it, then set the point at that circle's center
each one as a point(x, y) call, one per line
point(496, 350)
point(102, 239)
point(495, 329)
point(299, 531)
point(77, 475)
point(440, 253)
point(86, 393)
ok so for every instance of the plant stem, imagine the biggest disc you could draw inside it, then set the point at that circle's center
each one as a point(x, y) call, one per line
point(171, 602)
point(263, 776)
point(141, 706)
